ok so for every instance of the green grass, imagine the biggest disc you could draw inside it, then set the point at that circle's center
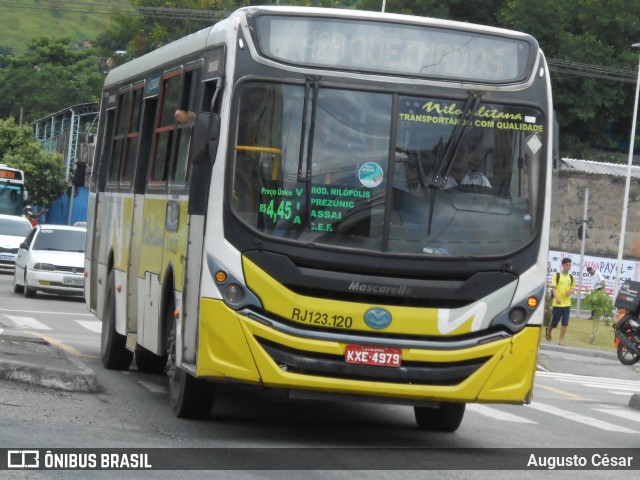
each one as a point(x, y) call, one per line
point(580, 332)
point(36, 18)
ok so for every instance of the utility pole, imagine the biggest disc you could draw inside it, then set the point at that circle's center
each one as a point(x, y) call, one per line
point(582, 243)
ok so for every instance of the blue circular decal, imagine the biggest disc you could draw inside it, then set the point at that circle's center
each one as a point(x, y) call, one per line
point(377, 318)
point(370, 174)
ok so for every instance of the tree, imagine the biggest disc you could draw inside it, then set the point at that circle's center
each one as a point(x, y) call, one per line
point(595, 32)
point(44, 171)
point(142, 33)
point(50, 75)
point(591, 111)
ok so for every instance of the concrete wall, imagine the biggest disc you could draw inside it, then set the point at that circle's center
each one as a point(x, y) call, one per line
point(606, 196)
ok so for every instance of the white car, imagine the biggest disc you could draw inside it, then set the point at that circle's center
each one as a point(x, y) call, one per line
point(51, 260)
point(13, 230)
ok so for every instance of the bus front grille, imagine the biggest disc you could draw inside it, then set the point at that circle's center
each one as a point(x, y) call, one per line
point(334, 366)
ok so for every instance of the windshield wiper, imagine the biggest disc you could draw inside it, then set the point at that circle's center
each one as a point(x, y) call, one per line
point(453, 145)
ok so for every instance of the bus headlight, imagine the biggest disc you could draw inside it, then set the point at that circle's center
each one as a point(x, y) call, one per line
point(233, 293)
point(517, 315)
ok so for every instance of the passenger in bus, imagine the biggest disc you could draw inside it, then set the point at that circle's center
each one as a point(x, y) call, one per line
point(184, 116)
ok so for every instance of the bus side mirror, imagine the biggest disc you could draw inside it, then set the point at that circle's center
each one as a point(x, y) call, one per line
point(206, 134)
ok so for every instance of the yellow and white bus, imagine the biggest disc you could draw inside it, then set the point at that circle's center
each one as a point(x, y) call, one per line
point(326, 204)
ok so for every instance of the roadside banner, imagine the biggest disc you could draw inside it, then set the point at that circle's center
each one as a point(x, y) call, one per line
point(606, 266)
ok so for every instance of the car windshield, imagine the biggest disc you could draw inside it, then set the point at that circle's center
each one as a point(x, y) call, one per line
point(60, 240)
point(17, 227)
point(398, 174)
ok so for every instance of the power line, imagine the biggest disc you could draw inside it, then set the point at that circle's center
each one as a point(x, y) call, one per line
point(589, 70)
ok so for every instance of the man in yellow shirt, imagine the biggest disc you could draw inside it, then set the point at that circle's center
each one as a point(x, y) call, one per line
point(563, 286)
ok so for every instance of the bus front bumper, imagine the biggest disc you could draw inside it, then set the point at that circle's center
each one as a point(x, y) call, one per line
point(239, 347)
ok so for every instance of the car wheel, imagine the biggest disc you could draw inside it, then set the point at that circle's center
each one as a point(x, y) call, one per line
point(28, 292)
point(445, 418)
point(113, 350)
point(16, 288)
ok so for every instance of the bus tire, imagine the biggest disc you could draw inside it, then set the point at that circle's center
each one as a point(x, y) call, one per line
point(445, 418)
point(149, 362)
point(113, 350)
point(190, 397)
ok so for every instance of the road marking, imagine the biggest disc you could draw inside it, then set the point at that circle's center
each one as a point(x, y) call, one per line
point(569, 377)
point(629, 388)
point(152, 387)
point(570, 395)
point(27, 322)
point(576, 417)
point(92, 325)
point(632, 415)
point(62, 345)
point(497, 414)
point(620, 393)
point(48, 313)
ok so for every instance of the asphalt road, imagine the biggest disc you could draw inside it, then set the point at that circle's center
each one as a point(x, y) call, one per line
point(580, 401)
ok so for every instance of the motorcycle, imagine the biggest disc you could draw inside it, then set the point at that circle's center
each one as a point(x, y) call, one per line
point(627, 327)
point(627, 340)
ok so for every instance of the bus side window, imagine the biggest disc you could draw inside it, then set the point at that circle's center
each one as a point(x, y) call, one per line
point(180, 170)
point(133, 137)
point(165, 131)
point(121, 128)
point(102, 169)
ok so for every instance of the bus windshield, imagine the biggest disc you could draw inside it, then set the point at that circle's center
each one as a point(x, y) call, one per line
point(342, 186)
point(11, 199)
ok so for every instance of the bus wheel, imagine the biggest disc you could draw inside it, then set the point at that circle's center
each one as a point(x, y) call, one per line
point(113, 350)
point(445, 418)
point(149, 362)
point(190, 397)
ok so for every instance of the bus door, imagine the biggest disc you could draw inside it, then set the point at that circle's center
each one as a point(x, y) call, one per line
point(136, 269)
point(135, 173)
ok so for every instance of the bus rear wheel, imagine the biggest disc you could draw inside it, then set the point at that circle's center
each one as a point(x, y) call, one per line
point(445, 418)
point(190, 397)
point(113, 349)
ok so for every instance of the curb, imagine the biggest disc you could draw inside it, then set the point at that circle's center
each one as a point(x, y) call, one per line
point(69, 375)
point(578, 351)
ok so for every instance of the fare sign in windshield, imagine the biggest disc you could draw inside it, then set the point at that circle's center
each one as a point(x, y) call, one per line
point(395, 48)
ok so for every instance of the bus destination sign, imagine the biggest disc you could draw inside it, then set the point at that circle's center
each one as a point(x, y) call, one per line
point(394, 48)
point(10, 174)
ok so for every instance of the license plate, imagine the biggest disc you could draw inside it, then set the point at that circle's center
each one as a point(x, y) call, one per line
point(8, 258)
point(73, 281)
point(367, 355)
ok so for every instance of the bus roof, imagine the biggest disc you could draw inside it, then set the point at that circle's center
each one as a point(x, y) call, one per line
point(198, 41)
